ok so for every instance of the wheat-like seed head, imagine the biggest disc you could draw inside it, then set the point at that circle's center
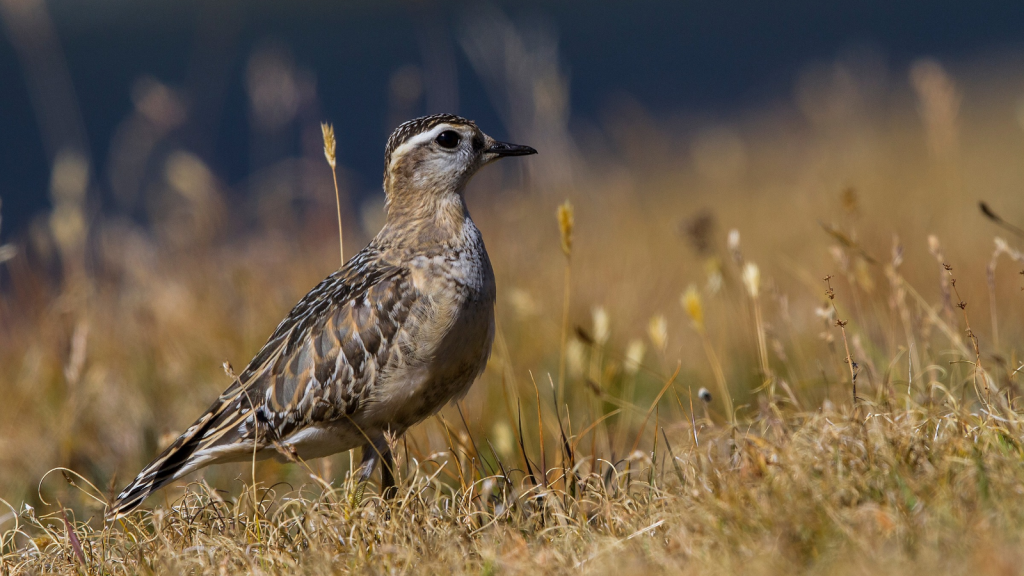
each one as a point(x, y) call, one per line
point(566, 221)
point(657, 331)
point(694, 307)
point(575, 357)
point(330, 144)
point(602, 325)
point(634, 355)
point(752, 279)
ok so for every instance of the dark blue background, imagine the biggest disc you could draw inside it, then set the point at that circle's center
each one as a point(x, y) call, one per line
point(671, 55)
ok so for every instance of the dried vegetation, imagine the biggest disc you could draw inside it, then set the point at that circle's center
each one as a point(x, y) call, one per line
point(838, 392)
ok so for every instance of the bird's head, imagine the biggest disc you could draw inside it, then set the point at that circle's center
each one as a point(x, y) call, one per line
point(429, 160)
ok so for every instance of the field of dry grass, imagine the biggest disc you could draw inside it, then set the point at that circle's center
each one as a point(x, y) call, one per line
point(699, 253)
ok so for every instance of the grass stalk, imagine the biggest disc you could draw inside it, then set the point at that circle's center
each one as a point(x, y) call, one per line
point(330, 148)
point(566, 222)
point(841, 324)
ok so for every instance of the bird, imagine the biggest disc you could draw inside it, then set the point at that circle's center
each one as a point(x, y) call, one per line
point(401, 329)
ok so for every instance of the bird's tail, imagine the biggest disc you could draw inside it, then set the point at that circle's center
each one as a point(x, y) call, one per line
point(176, 461)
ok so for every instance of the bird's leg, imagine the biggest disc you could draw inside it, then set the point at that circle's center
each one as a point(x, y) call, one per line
point(362, 474)
point(371, 455)
point(387, 475)
point(374, 452)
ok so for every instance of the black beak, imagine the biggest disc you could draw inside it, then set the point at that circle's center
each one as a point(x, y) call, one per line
point(506, 149)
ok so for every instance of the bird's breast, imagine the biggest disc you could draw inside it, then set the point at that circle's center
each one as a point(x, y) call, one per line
point(446, 344)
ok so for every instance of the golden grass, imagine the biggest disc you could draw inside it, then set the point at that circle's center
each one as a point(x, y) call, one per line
point(586, 445)
point(910, 490)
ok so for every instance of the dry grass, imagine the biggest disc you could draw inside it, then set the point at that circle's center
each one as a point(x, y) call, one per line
point(887, 493)
point(113, 336)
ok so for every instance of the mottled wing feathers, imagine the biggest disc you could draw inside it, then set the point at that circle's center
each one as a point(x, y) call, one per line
point(323, 367)
point(320, 365)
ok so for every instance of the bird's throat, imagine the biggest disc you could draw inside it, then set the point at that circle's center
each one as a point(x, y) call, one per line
point(426, 219)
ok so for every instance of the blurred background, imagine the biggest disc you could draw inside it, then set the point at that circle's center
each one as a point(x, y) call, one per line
point(165, 198)
point(242, 86)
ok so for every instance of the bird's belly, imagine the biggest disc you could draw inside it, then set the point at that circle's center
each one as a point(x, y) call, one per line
point(319, 441)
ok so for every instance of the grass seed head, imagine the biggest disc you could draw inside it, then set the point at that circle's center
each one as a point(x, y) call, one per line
point(694, 307)
point(575, 357)
point(566, 222)
point(657, 331)
point(752, 279)
point(602, 327)
point(634, 355)
point(330, 144)
point(733, 243)
point(713, 269)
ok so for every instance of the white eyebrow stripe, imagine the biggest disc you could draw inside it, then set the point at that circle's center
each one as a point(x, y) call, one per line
point(417, 140)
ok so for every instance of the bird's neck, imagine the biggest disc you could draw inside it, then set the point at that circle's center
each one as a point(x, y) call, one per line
point(425, 219)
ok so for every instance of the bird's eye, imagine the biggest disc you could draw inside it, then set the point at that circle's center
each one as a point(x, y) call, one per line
point(448, 139)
